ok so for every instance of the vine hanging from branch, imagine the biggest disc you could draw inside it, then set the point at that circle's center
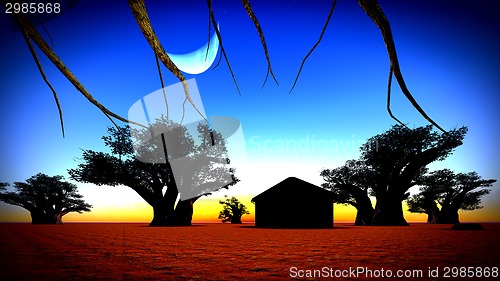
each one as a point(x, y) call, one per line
point(315, 45)
point(214, 24)
point(375, 12)
point(141, 16)
point(377, 15)
point(251, 14)
point(30, 34)
point(370, 7)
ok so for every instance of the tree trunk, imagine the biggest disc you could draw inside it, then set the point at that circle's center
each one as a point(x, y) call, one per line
point(164, 213)
point(37, 217)
point(164, 206)
point(160, 214)
point(389, 211)
point(236, 219)
point(432, 213)
point(58, 218)
point(164, 216)
point(40, 217)
point(364, 215)
point(432, 217)
point(365, 210)
point(184, 212)
point(363, 205)
point(448, 216)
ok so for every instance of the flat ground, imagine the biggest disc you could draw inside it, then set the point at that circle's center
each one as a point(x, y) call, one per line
point(237, 252)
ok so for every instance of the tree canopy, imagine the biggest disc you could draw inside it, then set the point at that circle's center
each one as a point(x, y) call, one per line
point(443, 193)
point(144, 164)
point(399, 156)
point(47, 198)
point(390, 164)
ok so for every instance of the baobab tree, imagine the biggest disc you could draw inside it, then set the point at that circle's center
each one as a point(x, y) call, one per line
point(443, 193)
point(232, 210)
point(390, 164)
point(47, 198)
point(400, 158)
point(144, 165)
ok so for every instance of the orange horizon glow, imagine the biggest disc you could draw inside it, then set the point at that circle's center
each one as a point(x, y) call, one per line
point(207, 210)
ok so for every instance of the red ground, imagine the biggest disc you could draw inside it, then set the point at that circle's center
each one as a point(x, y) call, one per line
point(234, 252)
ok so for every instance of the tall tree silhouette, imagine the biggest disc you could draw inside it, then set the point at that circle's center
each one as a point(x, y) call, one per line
point(232, 210)
point(47, 198)
point(350, 185)
point(443, 193)
point(141, 164)
point(390, 163)
point(399, 156)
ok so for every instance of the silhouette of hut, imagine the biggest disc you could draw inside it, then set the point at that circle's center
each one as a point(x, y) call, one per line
point(294, 203)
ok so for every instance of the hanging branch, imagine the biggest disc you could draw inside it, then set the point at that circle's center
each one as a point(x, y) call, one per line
point(389, 99)
point(212, 17)
point(161, 81)
point(375, 12)
point(251, 14)
point(315, 45)
point(217, 64)
point(29, 31)
point(206, 54)
point(46, 31)
point(209, 28)
point(141, 16)
point(40, 69)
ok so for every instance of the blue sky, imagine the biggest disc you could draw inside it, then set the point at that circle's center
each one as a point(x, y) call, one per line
point(448, 55)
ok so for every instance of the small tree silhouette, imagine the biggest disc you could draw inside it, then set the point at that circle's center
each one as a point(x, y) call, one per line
point(47, 198)
point(443, 193)
point(232, 210)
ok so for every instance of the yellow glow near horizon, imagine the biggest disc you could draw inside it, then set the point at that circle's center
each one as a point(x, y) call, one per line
point(122, 204)
point(207, 209)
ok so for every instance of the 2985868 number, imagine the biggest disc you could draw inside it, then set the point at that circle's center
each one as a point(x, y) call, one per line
point(32, 8)
point(471, 272)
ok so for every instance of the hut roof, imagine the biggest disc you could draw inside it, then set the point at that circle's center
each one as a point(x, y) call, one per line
point(292, 187)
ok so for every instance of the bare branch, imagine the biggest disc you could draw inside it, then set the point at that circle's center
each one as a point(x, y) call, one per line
point(375, 12)
point(208, 46)
point(389, 99)
point(141, 16)
point(46, 31)
point(315, 45)
point(251, 14)
point(212, 17)
point(39, 65)
point(161, 81)
point(28, 29)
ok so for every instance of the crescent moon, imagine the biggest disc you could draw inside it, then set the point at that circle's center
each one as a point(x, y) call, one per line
point(197, 61)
